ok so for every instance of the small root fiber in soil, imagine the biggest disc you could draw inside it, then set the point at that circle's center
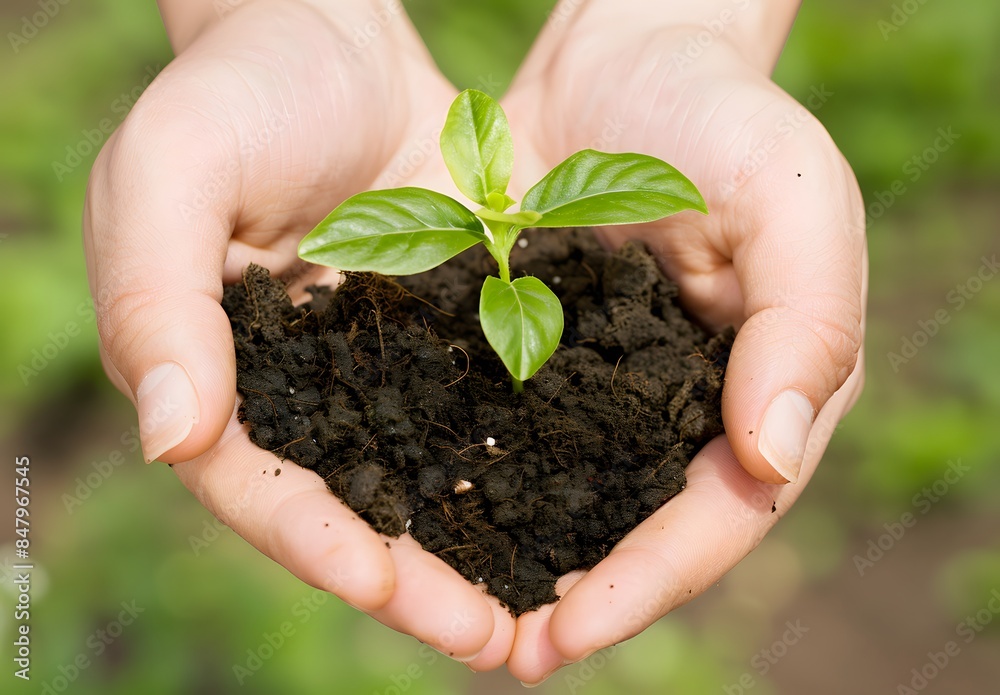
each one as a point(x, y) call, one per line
point(387, 389)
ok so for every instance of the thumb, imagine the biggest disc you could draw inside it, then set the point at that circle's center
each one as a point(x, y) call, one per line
point(802, 277)
point(155, 236)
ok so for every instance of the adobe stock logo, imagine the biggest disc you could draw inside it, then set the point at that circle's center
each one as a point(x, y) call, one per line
point(912, 169)
point(901, 13)
point(92, 138)
point(920, 677)
point(957, 298)
point(764, 660)
point(877, 548)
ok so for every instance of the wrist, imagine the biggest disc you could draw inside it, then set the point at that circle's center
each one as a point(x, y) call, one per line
point(756, 28)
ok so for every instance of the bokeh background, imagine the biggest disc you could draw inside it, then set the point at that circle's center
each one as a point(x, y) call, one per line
point(898, 72)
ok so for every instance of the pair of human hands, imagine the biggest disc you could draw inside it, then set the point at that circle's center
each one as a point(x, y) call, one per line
point(272, 116)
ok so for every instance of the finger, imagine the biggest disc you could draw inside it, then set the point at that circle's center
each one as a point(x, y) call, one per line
point(685, 547)
point(156, 228)
point(801, 271)
point(497, 650)
point(289, 514)
point(534, 657)
point(435, 604)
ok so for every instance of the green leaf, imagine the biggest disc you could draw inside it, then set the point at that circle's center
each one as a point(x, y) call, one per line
point(596, 188)
point(523, 321)
point(477, 146)
point(395, 232)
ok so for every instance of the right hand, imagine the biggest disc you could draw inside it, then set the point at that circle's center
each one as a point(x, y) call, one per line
point(264, 124)
point(781, 256)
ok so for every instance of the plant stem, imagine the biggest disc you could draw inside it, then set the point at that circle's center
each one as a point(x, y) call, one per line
point(503, 240)
point(517, 386)
point(504, 264)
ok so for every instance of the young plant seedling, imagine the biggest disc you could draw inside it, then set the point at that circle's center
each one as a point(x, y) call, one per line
point(409, 230)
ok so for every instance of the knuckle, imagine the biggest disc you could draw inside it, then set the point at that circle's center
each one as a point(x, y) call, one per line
point(122, 316)
point(172, 119)
point(838, 335)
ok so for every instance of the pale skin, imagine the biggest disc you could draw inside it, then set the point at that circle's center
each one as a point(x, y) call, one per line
point(267, 120)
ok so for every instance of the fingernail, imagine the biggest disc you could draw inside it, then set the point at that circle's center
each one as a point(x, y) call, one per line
point(545, 677)
point(168, 409)
point(784, 432)
point(466, 659)
point(535, 685)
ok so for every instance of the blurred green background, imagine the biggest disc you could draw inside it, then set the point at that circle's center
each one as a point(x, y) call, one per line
point(204, 607)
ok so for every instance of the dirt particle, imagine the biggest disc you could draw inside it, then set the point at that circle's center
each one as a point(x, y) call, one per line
point(277, 472)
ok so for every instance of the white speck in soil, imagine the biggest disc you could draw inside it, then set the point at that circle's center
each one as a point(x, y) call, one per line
point(291, 391)
point(523, 243)
point(409, 523)
point(556, 280)
point(490, 441)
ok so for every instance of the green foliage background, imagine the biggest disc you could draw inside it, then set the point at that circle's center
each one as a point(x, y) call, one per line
point(132, 538)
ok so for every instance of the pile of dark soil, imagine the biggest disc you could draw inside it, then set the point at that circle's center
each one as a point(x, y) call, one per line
point(388, 390)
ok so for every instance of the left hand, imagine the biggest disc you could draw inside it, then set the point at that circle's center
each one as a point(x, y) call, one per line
point(265, 121)
point(781, 256)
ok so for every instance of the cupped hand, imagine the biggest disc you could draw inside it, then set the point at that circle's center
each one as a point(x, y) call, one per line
point(264, 123)
point(781, 256)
